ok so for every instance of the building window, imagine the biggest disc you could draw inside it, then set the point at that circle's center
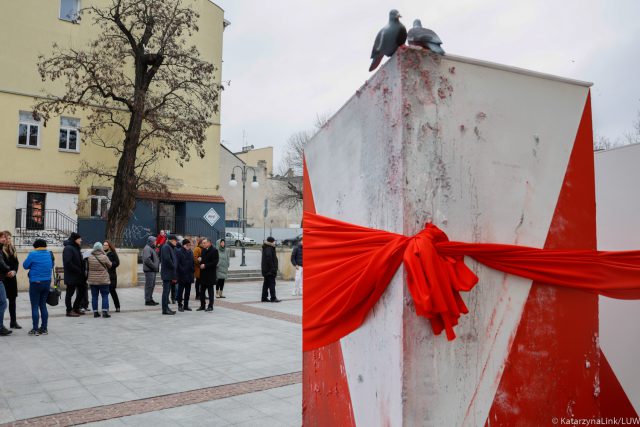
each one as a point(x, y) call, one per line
point(99, 202)
point(70, 10)
point(69, 134)
point(28, 131)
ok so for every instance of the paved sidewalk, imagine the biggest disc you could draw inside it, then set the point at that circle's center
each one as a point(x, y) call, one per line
point(239, 365)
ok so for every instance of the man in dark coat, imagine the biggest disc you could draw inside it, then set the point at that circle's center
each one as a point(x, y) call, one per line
point(186, 274)
point(168, 271)
point(296, 260)
point(74, 274)
point(269, 269)
point(208, 275)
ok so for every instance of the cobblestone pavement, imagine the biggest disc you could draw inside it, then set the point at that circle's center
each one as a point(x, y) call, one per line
point(239, 365)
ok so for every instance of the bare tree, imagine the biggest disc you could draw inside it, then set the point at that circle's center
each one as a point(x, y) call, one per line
point(288, 191)
point(146, 91)
point(633, 136)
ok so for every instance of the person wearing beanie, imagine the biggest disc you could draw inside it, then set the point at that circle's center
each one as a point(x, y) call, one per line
point(223, 267)
point(269, 270)
point(74, 274)
point(197, 257)
point(98, 265)
point(150, 267)
point(40, 264)
point(168, 271)
point(186, 271)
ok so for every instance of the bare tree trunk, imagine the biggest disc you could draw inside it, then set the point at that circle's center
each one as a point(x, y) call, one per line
point(123, 200)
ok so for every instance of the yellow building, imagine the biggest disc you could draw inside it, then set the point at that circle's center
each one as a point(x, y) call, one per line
point(39, 194)
point(257, 156)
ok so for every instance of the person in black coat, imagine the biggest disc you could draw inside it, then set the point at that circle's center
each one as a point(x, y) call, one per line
point(168, 271)
point(11, 283)
point(186, 274)
point(269, 270)
point(5, 272)
point(208, 273)
point(110, 250)
point(74, 274)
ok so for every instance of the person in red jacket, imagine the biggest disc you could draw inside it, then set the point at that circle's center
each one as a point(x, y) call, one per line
point(161, 240)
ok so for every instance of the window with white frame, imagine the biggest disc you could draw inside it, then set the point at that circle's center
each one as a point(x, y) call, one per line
point(69, 10)
point(28, 131)
point(69, 134)
point(99, 197)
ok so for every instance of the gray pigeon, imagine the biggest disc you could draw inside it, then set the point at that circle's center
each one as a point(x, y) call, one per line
point(425, 38)
point(393, 35)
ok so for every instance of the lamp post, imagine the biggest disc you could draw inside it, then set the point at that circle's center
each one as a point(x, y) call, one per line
point(254, 184)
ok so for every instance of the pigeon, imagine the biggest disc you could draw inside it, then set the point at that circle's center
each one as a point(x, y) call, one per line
point(425, 38)
point(393, 35)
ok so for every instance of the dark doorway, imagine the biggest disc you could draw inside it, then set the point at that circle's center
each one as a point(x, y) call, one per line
point(167, 217)
point(36, 211)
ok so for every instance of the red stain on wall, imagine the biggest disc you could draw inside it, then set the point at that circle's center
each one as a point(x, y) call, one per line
point(546, 374)
point(326, 400)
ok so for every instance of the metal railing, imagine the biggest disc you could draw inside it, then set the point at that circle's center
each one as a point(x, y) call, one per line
point(48, 224)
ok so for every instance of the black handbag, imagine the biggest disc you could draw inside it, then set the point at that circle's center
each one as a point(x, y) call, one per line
point(54, 293)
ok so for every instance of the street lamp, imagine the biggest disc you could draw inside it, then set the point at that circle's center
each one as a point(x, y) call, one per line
point(254, 184)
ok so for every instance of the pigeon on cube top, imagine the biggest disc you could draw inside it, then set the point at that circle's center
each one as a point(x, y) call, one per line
point(424, 37)
point(392, 36)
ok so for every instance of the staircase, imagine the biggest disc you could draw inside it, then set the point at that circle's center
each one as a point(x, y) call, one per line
point(49, 224)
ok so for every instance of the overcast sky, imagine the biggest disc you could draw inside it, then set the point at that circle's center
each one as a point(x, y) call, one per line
point(291, 60)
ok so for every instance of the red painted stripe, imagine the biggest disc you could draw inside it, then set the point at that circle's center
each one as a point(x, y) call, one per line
point(552, 367)
point(613, 400)
point(326, 400)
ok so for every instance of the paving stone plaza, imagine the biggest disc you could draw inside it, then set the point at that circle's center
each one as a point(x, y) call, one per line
point(240, 365)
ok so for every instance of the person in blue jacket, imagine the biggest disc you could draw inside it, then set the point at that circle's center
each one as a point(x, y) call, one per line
point(39, 262)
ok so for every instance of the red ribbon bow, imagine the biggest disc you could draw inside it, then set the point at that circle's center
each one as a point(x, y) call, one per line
point(348, 268)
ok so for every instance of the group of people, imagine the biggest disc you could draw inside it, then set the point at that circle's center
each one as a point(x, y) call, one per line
point(179, 263)
point(95, 270)
point(180, 266)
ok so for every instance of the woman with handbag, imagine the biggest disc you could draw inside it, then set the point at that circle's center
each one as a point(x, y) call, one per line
point(39, 262)
point(11, 283)
point(98, 266)
point(113, 276)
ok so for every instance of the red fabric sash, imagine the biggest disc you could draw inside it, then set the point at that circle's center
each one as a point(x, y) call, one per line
point(348, 267)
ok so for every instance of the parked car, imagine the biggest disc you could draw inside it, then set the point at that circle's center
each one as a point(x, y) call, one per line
point(238, 239)
point(292, 241)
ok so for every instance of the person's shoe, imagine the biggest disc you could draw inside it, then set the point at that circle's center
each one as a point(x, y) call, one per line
point(169, 312)
point(80, 312)
point(15, 326)
point(34, 332)
point(72, 314)
point(83, 310)
point(4, 332)
point(201, 308)
point(117, 309)
point(217, 294)
point(209, 309)
point(180, 308)
point(96, 315)
point(276, 300)
point(221, 295)
point(43, 331)
point(187, 308)
point(265, 300)
point(149, 303)
point(105, 314)
point(154, 302)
